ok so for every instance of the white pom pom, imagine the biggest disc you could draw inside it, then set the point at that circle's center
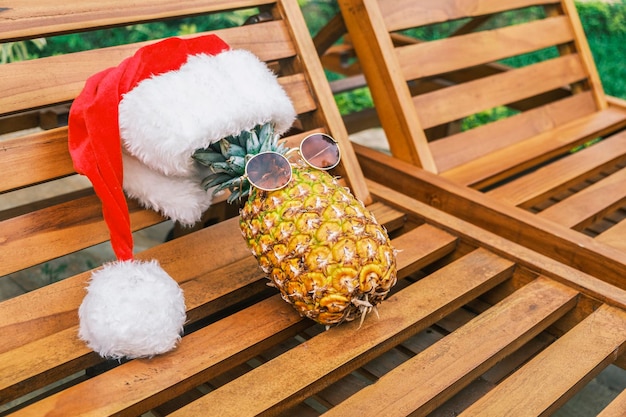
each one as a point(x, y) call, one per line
point(132, 309)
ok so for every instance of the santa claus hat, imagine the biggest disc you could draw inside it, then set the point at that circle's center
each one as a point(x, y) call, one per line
point(134, 128)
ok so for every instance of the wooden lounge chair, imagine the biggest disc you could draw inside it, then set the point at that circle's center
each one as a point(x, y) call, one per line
point(476, 322)
point(557, 150)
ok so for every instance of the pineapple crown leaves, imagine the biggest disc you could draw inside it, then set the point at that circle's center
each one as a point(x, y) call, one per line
point(226, 159)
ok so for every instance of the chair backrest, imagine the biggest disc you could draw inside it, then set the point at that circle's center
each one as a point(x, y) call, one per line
point(435, 67)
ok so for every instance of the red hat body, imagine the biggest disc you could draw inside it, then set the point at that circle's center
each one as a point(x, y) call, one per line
point(94, 137)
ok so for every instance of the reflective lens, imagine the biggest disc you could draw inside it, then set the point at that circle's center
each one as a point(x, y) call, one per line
point(320, 151)
point(268, 171)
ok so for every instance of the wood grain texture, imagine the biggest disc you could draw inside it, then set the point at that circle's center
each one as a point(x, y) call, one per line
point(558, 102)
point(25, 19)
point(573, 359)
point(468, 206)
point(342, 348)
point(204, 289)
point(539, 148)
point(560, 174)
point(409, 142)
point(441, 370)
point(227, 342)
point(403, 14)
point(426, 59)
point(463, 147)
point(48, 150)
point(59, 230)
point(447, 263)
point(614, 236)
point(458, 101)
point(591, 203)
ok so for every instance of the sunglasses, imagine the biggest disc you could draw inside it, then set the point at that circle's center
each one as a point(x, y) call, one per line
point(271, 171)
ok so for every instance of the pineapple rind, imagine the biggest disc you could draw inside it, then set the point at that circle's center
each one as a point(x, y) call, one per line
point(320, 247)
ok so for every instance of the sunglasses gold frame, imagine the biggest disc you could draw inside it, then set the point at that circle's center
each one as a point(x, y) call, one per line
point(260, 173)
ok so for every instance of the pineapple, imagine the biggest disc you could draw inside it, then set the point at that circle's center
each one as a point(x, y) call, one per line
point(317, 243)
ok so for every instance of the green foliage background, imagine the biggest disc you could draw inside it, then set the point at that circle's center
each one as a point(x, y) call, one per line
point(605, 26)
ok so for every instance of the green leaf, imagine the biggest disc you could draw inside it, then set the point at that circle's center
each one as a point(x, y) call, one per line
point(237, 164)
point(267, 132)
point(208, 157)
point(229, 149)
point(215, 179)
point(222, 167)
point(238, 194)
point(253, 144)
point(243, 138)
point(267, 146)
point(235, 185)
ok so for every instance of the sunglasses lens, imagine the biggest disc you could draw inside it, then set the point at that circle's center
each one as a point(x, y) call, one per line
point(320, 151)
point(268, 171)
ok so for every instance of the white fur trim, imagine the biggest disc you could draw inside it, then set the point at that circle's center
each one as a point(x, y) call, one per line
point(132, 309)
point(182, 199)
point(164, 119)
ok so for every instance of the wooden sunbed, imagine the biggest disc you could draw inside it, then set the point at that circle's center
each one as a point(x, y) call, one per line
point(477, 323)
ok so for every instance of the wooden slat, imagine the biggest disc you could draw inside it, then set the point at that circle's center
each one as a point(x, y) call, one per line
point(47, 81)
point(615, 236)
point(558, 175)
point(500, 151)
point(47, 150)
point(403, 14)
point(617, 407)
point(213, 284)
point(295, 373)
point(446, 55)
point(29, 366)
point(298, 91)
point(542, 147)
point(474, 215)
point(23, 18)
point(44, 230)
point(437, 373)
point(206, 288)
point(456, 102)
point(590, 203)
point(463, 147)
point(392, 219)
point(415, 254)
point(555, 374)
point(582, 46)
